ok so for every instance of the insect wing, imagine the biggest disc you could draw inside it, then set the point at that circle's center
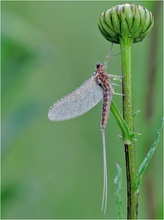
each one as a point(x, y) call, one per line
point(78, 102)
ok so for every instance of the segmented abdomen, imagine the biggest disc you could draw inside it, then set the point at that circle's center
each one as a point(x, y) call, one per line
point(104, 81)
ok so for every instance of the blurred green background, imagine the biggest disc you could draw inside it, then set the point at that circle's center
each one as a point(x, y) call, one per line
point(55, 169)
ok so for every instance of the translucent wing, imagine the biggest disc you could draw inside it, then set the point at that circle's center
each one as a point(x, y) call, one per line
point(78, 102)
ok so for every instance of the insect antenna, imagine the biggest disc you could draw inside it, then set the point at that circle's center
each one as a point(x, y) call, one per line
point(107, 57)
point(110, 56)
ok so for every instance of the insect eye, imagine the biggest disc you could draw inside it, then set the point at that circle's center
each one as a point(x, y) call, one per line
point(98, 65)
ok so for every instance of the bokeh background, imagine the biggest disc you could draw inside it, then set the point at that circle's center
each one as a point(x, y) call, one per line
point(55, 169)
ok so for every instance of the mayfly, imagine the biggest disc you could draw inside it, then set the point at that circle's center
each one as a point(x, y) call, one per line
point(97, 88)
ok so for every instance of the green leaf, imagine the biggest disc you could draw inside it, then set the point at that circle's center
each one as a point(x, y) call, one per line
point(136, 113)
point(148, 157)
point(127, 136)
point(118, 192)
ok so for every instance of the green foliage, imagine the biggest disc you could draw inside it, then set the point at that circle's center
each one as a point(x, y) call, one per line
point(147, 159)
point(127, 24)
point(118, 192)
point(127, 136)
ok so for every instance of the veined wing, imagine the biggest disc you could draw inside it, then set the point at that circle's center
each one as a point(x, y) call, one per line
point(78, 102)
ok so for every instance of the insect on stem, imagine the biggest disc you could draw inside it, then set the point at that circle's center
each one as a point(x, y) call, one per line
point(97, 88)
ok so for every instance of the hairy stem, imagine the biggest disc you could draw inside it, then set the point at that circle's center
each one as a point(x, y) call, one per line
point(130, 157)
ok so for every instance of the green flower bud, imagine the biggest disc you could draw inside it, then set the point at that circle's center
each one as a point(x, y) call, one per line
point(133, 21)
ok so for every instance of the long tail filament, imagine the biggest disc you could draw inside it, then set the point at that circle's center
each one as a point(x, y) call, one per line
point(104, 195)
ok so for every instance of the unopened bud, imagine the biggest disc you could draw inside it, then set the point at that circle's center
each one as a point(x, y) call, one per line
point(133, 21)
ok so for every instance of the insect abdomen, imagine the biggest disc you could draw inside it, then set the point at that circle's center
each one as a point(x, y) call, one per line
point(107, 96)
point(104, 82)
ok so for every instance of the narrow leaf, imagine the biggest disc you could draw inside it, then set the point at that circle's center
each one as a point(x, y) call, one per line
point(127, 136)
point(148, 157)
point(136, 113)
point(118, 192)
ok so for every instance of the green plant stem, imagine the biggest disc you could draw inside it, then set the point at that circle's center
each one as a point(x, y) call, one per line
point(132, 199)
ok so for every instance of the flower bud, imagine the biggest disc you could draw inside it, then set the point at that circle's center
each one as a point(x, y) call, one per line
point(133, 21)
